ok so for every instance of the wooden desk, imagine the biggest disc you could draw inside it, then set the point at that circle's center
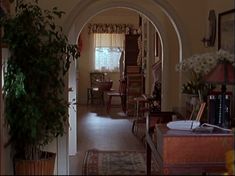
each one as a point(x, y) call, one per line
point(186, 152)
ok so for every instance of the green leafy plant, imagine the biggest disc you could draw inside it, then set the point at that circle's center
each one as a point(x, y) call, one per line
point(40, 56)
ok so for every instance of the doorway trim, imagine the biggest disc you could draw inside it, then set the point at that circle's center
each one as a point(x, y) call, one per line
point(85, 10)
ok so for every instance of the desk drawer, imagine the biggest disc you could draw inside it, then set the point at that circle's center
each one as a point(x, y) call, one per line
point(195, 149)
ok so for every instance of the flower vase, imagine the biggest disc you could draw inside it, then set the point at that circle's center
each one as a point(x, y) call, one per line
point(195, 103)
point(192, 106)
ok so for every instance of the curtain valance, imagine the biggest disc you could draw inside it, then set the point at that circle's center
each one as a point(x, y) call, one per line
point(109, 28)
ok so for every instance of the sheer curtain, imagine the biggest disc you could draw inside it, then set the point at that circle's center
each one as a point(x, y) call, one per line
point(107, 51)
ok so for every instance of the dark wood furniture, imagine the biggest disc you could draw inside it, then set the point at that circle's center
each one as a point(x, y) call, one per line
point(141, 108)
point(134, 88)
point(214, 112)
point(187, 152)
point(93, 92)
point(131, 51)
point(132, 73)
point(121, 93)
point(146, 105)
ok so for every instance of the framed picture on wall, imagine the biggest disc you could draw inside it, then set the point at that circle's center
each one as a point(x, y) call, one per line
point(226, 23)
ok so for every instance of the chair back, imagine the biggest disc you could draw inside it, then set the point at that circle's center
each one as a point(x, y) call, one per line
point(122, 86)
point(94, 77)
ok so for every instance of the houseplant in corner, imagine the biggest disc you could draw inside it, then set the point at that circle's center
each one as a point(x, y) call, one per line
point(35, 107)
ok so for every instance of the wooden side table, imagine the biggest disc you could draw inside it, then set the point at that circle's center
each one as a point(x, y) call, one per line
point(187, 152)
point(139, 112)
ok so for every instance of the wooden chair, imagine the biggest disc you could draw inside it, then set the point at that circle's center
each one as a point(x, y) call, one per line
point(157, 116)
point(120, 93)
point(162, 117)
point(145, 103)
point(93, 92)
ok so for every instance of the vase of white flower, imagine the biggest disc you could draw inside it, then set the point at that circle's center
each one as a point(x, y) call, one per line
point(198, 66)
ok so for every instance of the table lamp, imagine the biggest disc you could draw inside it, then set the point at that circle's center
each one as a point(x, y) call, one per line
point(224, 74)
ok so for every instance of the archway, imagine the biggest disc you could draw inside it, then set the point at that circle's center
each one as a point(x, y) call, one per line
point(85, 10)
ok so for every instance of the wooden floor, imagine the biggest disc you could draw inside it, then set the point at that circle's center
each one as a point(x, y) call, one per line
point(96, 129)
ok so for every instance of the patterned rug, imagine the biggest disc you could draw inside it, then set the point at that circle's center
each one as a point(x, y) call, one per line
point(98, 162)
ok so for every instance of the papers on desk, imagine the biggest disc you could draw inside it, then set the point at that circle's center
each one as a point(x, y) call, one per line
point(183, 124)
point(207, 125)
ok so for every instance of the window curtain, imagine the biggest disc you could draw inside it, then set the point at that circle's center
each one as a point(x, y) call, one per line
point(109, 28)
point(91, 52)
point(109, 40)
point(108, 49)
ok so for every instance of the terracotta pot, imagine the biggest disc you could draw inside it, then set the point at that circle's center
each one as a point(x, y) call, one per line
point(36, 167)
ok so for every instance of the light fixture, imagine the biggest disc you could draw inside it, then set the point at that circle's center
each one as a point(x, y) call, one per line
point(223, 74)
point(209, 39)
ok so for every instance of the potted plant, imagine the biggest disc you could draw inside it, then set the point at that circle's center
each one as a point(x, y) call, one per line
point(35, 107)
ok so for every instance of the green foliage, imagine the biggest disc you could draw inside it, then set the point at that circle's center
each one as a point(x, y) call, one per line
point(40, 55)
point(196, 86)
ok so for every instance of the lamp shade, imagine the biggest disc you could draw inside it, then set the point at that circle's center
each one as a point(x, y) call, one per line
point(223, 73)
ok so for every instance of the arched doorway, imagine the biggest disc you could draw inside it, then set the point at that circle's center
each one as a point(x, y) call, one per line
point(153, 10)
point(84, 11)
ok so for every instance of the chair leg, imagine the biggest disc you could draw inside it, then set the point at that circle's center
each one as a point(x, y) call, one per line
point(88, 96)
point(123, 103)
point(103, 98)
point(109, 104)
point(91, 97)
point(143, 138)
point(133, 127)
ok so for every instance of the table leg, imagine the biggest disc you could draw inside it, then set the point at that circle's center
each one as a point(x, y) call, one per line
point(88, 95)
point(109, 103)
point(123, 100)
point(148, 159)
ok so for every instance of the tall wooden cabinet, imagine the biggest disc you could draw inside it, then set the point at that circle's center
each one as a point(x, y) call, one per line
point(131, 50)
point(134, 78)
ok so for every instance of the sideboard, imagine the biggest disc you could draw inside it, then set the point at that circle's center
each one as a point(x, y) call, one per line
point(187, 152)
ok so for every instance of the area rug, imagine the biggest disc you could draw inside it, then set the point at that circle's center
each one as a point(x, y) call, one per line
point(98, 162)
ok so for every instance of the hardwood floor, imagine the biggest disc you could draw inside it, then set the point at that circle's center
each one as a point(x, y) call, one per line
point(96, 129)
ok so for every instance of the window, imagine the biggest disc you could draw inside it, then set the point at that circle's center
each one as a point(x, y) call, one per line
point(108, 50)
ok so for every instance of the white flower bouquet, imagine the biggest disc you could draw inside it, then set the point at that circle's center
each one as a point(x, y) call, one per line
point(198, 66)
point(201, 64)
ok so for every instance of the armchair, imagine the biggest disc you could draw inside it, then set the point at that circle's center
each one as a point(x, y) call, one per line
point(93, 92)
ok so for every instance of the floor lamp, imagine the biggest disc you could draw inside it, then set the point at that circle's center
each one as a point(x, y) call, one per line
point(223, 74)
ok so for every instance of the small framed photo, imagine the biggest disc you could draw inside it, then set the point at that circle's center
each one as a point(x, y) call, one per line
point(226, 30)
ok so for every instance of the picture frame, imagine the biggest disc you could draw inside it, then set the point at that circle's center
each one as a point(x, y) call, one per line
point(226, 23)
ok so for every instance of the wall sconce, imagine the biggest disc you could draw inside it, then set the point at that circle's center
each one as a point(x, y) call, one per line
point(209, 39)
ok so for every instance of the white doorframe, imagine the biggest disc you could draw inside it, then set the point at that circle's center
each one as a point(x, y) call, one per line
point(85, 10)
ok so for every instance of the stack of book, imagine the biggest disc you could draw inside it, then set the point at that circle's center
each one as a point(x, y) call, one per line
point(215, 108)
